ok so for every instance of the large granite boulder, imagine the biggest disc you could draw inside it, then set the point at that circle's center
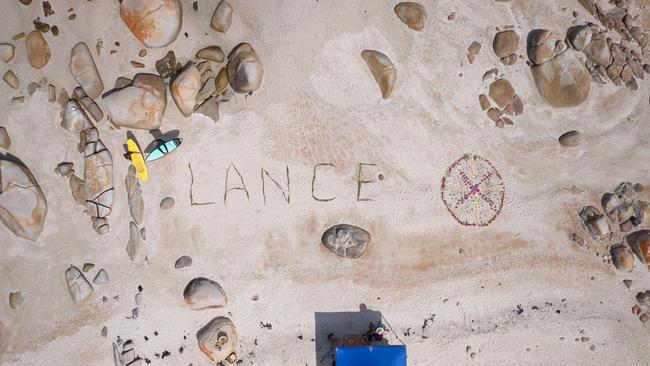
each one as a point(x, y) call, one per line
point(140, 105)
point(22, 203)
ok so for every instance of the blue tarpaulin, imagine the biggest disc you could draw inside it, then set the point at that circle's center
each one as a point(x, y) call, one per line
point(371, 356)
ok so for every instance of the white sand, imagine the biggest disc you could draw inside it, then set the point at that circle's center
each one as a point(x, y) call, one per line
point(318, 103)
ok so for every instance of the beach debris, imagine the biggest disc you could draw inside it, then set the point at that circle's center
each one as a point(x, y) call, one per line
point(98, 175)
point(78, 286)
point(74, 119)
point(202, 293)
point(639, 242)
point(412, 14)
point(84, 70)
point(167, 203)
point(561, 79)
point(133, 245)
point(472, 51)
point(22, 204)
point(164, 148)
point(167, 65)
point(101, 277)
point(15, 299)
point(38, 51)
point(218, 340)
point(88, 104)
point(245, 70)
point(5, 140)
point(140, 105)
point(134, 195)
point(622, 257)
point(185, 87)
point(382, 70)
point(11, 79)
point(346, 241)
point(222, 17)
point(505, 45)
point(570, 139)
point(156, 23)
point(595, 223)
point(183, 261)
point(212, 53)
point(7, 52)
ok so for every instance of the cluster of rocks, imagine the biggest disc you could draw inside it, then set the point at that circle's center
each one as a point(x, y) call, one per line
point(623, 210)
point(218, 338)
point(347, 241)
point(79, 287)
point(22, 203)
point(620, 20)
point(605, 58)
point(508, 103)
point(506, 46)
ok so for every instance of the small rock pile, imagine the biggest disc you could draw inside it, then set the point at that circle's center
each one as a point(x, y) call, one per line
point(508, 103)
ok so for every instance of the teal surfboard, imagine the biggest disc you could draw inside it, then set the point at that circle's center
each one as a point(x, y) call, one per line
point(164, 148)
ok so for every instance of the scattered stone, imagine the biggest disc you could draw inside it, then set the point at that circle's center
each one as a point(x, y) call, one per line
point(18, 100)
point(74, 118)
point(133, 245)
point(63, 97)
point(221, 81)
point(212, 53)
point(32, 87)
point(143, 233)
point(88, 104)
point(643, 298)
point(5, 140)
point(622, 257)
point(137, 65)
point(167, 203)
point(22, 203)
point(25, 2)
point(140, 105)
point(47, 9)
point(490, 74)
point(87, 267)
point(134, 195)
point(84, 70)
point(502, 92)
point(104, 332)
point(166, 66)
point(218, 340)
point(101, 277)
point(570, 139)
point(644, 318)
point(209, 108)
point(55, 30)
point(412, 14)
point(156, 23)
point(561, 79)
point(64, 169)
point(78, 189)
point(202, 293)
point(579, 36)
point(183, 261)
point(122, 82)
point(346, 241)
point(222, 17)
point(11, 79)
point(245, 70)
point(98, 175)
point(451, 16)
point(7, 52)
point(636, 310)
point(472, 51)
point(594, 223)
point(15, 299)
point(38, 51)
point(639, 242)
point(627, 283)
point(505, 45)
point(143, 52)
point(185, 87)
point(18, 36)
point(483, 100)
point(78, 286)
point(51, 93)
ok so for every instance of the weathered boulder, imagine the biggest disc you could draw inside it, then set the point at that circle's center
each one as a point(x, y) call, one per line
point(78, 286)
point(245, 70)
point(412, 14)
point(562, 81)
point(218, 340)
point(622, 257)
point(543, 46)
point(98, 176)
point(382, 70)
point(22, 204)
point(156, 23)
point(505, 45)
point(84, 70)
point(202, 293)
point(38, 51)
point(185, 87)
point(594, 222)
point(346, 241)
point(140, 105)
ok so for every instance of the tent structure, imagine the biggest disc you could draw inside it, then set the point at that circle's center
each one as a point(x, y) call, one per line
point(371, 356)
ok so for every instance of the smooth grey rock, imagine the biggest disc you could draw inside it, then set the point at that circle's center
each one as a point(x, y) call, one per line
point(212, 53)
point(167, 203)
point(183, 261)
point(245, 69)
point(15, 299)
point(346, 241)
point(202, 293)
point(104, 332)
point(78, 286)
point(218, 339)
point(101, 277)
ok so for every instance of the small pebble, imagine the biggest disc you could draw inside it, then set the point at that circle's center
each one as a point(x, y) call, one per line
point(142, 53)
point(167, 203)
point(183, 261)
point(104, 332)
point(137, 65)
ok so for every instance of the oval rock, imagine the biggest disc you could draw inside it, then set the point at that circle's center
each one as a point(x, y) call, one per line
point(203, 293)
point(346, 241)
point(156, 23)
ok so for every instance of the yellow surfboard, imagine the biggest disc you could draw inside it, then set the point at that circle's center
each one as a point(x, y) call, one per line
point(137, 159)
